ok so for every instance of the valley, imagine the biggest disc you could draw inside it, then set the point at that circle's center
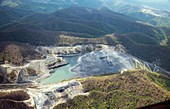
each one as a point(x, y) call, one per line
point(90, 26)
point(77, 54)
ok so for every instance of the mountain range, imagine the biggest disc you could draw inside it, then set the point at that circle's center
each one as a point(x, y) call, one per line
point(146, 14)
point(53, 5)
point(91, 22)
point(131, 26)
point(138, 28)
point(8, 14)
point(152, 12)
point(49, 5)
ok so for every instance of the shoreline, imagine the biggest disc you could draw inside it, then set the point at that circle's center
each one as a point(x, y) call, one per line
point(70, 55)
point(41, 92)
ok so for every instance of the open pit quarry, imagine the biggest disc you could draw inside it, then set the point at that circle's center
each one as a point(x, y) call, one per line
point(102, 60)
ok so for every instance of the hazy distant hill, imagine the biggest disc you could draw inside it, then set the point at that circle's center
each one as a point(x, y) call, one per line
point(53, 5)
point(158, 4)
point(8, 15)
point(146, 14)
point(50, 5)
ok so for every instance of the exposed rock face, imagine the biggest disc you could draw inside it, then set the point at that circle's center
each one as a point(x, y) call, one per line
point(3, 76)
point(27, 73)
point(66, 50)
point(39, 66)
point(12, 76)
point(22, 75)
point(103, 62)
point(49, 96)
point(31, 72)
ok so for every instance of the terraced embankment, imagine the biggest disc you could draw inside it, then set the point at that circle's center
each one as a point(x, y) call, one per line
point(17, 99)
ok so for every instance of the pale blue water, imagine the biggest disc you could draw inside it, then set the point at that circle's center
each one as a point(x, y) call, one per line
point(62, 73)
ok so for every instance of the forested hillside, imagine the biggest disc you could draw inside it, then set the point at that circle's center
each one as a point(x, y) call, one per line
point(16, 53)
point(133, 89)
